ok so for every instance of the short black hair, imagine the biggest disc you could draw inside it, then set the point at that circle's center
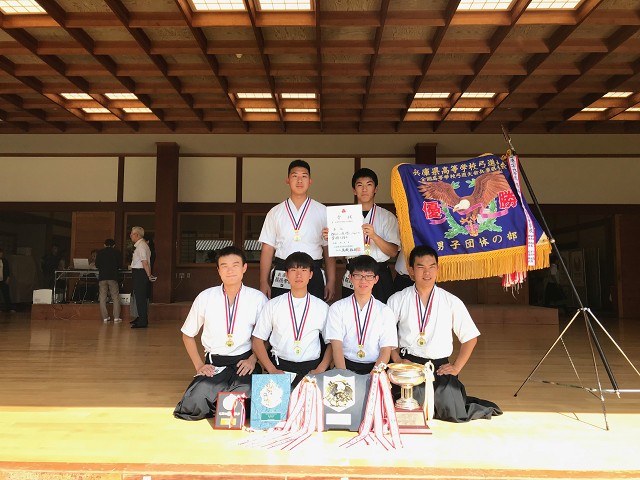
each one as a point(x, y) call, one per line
point(109, 242)
point(299, 163)
point(364, 173)
point(298, 260)
point(363, 263)
point(422, 251)
point(231, 250)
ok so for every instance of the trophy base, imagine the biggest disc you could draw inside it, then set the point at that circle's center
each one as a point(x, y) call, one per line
point(412, 421)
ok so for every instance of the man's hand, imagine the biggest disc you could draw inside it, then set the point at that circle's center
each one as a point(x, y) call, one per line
point(266, 289)
point(329, 292)
point(316, 371)
point(325, 233)
point(206, 370)
point(368, 230)
point(448, 369)
point(246, 366)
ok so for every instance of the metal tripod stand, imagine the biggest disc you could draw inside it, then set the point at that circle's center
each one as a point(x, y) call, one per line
point(587, 315)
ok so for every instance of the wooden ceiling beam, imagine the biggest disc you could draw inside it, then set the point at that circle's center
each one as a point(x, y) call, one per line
point(214, 67)
point(319, 66)
point(384, 10)
point(138, 34)
point(257, 33)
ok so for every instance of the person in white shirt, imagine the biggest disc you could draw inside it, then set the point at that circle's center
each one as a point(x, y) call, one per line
point(295, 225)
point(226, 315)
point(380, 230)
point(427, 317)
point(362, 329)
point(402, 279)
point(140, 277)
point(294, 325)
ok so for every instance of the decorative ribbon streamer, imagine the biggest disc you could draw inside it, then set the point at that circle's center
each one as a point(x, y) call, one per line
point(239, 399)
point(429, 395)
point(305, 416)
point(531, 231)
point(379, 415)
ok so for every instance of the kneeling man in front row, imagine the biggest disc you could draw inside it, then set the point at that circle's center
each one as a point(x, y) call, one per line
point(294, 326)
point(226, 314)
point(427, 315)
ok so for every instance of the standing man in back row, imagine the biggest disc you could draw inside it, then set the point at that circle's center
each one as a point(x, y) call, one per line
point(296, 225)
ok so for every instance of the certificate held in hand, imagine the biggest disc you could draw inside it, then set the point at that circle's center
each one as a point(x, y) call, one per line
point(345, 231)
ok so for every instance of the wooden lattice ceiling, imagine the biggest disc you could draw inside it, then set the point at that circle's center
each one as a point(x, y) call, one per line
point(363, 65)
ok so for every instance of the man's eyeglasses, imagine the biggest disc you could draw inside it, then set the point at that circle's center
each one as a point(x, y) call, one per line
point(369, 277)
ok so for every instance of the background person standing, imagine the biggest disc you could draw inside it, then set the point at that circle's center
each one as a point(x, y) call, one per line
point(141, 276)
point(108, 264)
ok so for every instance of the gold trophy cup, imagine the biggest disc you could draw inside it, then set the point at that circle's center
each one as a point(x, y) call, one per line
point(411, 417)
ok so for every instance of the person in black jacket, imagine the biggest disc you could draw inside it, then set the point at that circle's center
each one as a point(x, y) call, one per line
point(108, 264)
point(5, 278)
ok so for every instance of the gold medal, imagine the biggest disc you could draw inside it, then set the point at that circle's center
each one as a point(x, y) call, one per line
point(296, 236)
point(367, 249)
point(421, 341)
point(361, 353)
point(297, 350)
point(229, 340)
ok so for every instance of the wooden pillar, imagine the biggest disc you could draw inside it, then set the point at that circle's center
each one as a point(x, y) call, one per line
point(426, 153)
point(627, 230)
point(167, 166)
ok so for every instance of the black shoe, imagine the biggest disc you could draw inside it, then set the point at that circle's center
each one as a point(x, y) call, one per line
point(135, 320)
point(139, 325)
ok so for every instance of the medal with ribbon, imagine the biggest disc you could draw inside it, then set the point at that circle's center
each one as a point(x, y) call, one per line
point(231, 312)
point(297, 223)
point(367, 240)
point(361, 329)
point(423, 318)
point(298, 328)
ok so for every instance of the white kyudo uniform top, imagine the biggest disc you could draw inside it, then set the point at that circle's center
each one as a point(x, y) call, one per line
point(381, 331)
point(276, 324)
point(278, 229)
point(385, 224)
point(401, 264)
point(448, 314)
point(211, 310)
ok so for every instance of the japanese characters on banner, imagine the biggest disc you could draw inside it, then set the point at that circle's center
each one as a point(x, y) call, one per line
point(473, 213)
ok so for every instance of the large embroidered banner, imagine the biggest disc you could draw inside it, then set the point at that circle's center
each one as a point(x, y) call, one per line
point(473, 213)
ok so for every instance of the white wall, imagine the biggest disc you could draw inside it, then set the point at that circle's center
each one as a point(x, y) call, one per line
point(576, 169)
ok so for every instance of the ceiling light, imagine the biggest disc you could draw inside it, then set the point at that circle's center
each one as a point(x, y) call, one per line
point(593, 109)
point(553, 4)
point(300, 110)
point(96, 110)
point(253, 95)
point(76, 96)
point(217, 5)
point(121, 96)
point(432, 95)
point(617, 95)
point(466, 109)
point(284, 4)
point(137, 110)
point(260, 110)
point(424, 109)
point(633, 109)
point(484, 4)
point(298, 95)
point(478, 95)
point(16, 7)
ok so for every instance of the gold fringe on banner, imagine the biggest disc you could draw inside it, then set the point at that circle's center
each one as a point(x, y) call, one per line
point(471, 265)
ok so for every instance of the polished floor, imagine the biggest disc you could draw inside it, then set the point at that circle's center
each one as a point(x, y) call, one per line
point(95, 399)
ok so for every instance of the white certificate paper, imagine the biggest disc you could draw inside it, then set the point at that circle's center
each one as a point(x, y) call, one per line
point(345, 231)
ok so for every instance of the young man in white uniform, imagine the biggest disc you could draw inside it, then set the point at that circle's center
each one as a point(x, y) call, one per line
point(427, 316)
point(226, 314)
point(294, 324)
point(295, 225)
point(362, 329)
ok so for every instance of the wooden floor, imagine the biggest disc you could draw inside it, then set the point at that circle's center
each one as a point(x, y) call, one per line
point(83, 399)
